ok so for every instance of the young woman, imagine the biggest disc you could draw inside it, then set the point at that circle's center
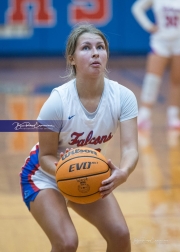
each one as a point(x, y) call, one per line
point(165, 49)
point(87, 107)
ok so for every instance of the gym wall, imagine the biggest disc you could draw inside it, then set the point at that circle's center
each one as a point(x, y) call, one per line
point(41, 27)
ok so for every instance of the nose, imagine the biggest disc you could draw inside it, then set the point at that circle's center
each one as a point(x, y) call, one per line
point(95, 53)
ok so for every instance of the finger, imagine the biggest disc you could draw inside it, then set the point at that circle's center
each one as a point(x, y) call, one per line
point(105, 193)
point(67, 149)
point(109, 161)
point(106, 187)
point(108, 180)
point(111, 165)
point(61, 154)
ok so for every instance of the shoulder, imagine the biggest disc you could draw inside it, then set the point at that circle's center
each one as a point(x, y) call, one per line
point(112, 85)
point(66, 91)
point(128, 104)
point(64, 86)
point(127, 96)
point(126, 91)
point(122, 90)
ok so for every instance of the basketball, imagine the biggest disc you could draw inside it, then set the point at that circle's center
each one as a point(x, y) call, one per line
point(79, 174)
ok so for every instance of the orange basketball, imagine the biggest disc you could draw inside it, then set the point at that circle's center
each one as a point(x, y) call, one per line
point(79, 174)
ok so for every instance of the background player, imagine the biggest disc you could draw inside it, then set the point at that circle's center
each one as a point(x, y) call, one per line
point(87, 103)
point(165, 48)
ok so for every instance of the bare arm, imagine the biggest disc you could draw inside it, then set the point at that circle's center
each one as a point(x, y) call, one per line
point(129, 157)
point(48, 143)
point(139, 9)
point(129, 145)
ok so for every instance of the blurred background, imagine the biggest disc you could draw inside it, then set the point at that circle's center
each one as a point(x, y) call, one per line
point(40, 27)
point(33, 36)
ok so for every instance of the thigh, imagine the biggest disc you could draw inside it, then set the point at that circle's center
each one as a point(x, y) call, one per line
point(105, 214)
point(50, 211)
point(156, 64)
point(175, 69)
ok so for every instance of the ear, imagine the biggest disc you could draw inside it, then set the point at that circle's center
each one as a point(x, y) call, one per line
point(71, 60)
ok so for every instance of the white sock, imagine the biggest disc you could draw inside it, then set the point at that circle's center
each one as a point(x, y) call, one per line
point(144, 113)
point(173, 113)
point(150, 88)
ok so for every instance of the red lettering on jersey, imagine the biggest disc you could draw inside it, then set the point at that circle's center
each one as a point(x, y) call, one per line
point(172, 21)
point(76, 140)
point(43, 12)
point(98, 13)
point(76, 136)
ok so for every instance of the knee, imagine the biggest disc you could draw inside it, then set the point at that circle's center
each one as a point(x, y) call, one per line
point(121, 237)
point(124, 236)
point(69, 244)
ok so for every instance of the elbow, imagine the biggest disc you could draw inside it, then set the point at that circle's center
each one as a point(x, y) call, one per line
point(136, 157)
point(133, 9)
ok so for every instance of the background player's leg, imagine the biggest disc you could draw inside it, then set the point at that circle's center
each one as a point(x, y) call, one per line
point(155, 68)
point(50, 211)
point(106, 215)
point(174, 99)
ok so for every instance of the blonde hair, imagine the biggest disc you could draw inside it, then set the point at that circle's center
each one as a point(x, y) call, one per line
point(72, 42)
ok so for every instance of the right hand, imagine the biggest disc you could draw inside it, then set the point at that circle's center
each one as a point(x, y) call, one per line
point(153, 29)
point(61, 154)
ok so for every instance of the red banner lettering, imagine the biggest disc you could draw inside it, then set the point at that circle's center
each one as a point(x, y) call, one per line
point(43, 12)
point(94, 11)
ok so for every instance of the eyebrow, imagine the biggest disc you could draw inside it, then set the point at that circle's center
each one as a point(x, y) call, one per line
point(88, 43)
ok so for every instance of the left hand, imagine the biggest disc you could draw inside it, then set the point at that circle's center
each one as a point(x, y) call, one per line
point(118, 177)
point(61, 154)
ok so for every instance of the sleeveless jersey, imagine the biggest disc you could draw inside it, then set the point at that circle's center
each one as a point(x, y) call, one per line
point(167, 17)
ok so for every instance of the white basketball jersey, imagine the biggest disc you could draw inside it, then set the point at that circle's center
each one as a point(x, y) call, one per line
point(167, 16)
point(80, 130)
point(167, 13)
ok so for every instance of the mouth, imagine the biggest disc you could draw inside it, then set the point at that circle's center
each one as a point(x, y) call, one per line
point(96, 63)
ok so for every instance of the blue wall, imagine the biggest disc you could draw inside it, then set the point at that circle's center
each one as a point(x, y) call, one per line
point(26, 29)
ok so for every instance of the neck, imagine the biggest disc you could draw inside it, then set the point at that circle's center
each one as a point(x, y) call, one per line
point(90, 87)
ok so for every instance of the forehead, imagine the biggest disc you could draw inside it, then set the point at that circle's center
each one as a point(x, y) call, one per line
point(89, 37)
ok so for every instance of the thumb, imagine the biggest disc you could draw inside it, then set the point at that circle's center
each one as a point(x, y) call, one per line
point(111, 165)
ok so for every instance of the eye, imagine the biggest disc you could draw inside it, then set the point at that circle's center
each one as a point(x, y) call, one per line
point(85, 48)
point(101, 47)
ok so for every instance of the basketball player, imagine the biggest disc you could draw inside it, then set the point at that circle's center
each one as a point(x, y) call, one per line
point(165, 48)
point(85, 111)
